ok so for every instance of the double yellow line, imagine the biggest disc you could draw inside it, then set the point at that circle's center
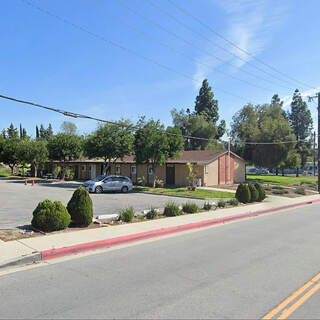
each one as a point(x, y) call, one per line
point(281, 308)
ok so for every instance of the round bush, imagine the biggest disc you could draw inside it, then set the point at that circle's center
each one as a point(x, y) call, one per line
point(171, 209)
point(254, 193)
point(243, 193)
point(50, 216)
point(261, 192)
point(190, 207)
point(80, 207)
point(126, 215)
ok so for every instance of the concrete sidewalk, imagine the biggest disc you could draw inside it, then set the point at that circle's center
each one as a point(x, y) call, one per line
point(13, 251)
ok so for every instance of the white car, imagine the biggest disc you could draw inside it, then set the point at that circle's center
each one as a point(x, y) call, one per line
point(108, 183)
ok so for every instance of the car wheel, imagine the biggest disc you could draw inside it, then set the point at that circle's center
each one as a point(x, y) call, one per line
point(124, 189)
point(98, 189)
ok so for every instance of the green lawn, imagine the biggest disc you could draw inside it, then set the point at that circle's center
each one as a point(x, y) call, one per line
point(280, 180)
point(201, 193)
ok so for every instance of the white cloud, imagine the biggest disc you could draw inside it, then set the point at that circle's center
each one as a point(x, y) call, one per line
point(287, 99)
point(249, 24)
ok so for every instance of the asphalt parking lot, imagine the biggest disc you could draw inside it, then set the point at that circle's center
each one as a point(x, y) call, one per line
point(18, 201)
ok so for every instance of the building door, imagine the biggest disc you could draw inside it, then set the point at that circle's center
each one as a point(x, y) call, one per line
point(170, 175)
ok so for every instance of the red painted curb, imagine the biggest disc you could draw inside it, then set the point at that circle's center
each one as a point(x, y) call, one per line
point(61, 252)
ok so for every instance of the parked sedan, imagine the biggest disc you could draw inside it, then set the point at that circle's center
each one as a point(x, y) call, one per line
point(108, 183)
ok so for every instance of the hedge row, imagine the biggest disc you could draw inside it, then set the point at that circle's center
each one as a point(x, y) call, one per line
point(250, 193)
point(52, 216)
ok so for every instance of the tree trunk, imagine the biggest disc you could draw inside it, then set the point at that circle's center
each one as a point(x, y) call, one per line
point(35, 171)
point(297, 172)
point(154, 177)
point(282, 172)
point(11, 167)
point(277, 171)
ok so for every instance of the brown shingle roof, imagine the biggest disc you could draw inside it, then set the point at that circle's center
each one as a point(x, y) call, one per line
point(194, 156)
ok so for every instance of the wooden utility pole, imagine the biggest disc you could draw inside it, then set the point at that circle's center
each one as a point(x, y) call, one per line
point(314, 153)
point(310, 99)
point(318, 139)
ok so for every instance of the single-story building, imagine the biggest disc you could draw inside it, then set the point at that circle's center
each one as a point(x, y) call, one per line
point(211, 167)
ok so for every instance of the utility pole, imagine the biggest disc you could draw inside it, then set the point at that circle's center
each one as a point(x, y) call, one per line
point(314, 153)
point(310, 99)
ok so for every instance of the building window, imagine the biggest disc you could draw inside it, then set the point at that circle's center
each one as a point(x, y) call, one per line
point(118, 170)
point(206, 169)
point(133, 170)
point(83, 168)
point(150, 170)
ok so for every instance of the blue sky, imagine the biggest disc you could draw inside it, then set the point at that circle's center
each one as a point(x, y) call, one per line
point(47, 61)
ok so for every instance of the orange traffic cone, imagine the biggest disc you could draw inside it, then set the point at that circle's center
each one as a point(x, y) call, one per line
point(25, 182)
point(33, 183)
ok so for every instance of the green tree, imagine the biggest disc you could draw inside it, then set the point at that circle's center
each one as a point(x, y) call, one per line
point(194, 125)
point(12, 132)
point(68, 127)
point(244, 129)
point(49, 131)
point(301, 124)
point(34, 153)
point(266, 125)
point(63, 147)
point(10, 154)
point(153, 146)
point(42, 132)
point(206, 104)
point(37, 133)
point(110, 142)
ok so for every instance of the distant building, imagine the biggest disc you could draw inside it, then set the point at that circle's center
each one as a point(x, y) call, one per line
point(210, 166)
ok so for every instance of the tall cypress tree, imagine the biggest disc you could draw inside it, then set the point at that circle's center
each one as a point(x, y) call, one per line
point(301, 124)
point(37, 133)
point(206, 104)
point(20, 130)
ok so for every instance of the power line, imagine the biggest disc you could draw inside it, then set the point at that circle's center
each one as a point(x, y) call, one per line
point(82, 116)
point(148, 35)
point(199, 34)
point(235, 45)
point(159, 26)
point(110, 42)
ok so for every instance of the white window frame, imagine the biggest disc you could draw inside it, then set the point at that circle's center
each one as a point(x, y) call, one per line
point(133, 169)
point(206, 169)
point(150, 171)
point(118, 170)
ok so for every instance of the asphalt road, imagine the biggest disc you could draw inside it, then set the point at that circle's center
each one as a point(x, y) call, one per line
point(18, 201)
point(240, 270)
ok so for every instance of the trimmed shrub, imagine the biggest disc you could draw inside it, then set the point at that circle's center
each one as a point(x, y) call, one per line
point(277, 187)
point(261, 192)
point(152, 214)
point(254, 193)
point(190, 207)
point(80, 207)
point(207, 206)
point(280, 191)
point(171, 209)
point(300, 191)
point(221, 204)
point(243, 193)
point(234, 202)
point(126, 215)
point(50, 216)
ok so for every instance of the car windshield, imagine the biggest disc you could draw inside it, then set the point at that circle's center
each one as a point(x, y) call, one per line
point(98, 178)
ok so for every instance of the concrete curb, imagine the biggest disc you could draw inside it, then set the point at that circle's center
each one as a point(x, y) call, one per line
point(65, 251)
point(32, 258)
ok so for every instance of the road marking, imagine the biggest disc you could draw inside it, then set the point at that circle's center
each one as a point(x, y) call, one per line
point(293, 296)
point(302, 300)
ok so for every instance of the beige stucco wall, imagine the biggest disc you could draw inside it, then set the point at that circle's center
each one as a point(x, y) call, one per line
point(239, 170)
point(212, 177)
